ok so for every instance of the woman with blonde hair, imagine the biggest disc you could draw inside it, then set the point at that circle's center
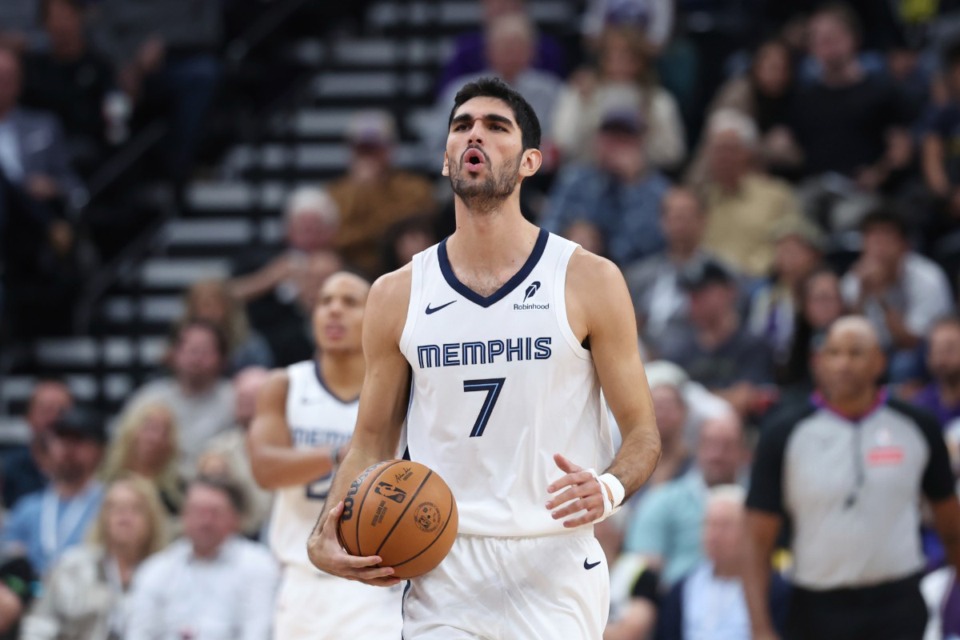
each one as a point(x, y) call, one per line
point(212, 300)
point(147, 443)
point(625, 76)
point(85, 595)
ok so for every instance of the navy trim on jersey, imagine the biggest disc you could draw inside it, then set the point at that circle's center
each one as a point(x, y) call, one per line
point(316, 370)
point(510, 284)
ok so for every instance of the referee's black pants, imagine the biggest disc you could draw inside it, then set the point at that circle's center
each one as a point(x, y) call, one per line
point(889, 611)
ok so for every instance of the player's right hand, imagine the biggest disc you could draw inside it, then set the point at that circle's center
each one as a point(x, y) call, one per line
point(326, 554)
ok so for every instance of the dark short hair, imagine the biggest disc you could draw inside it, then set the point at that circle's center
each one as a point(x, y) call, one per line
point(885, 217)
point(181, 328)
point(524, 114)
point(226, 486)
point(81, 424)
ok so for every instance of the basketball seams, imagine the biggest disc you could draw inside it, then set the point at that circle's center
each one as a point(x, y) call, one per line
point(363, 500)
point(356, 524)
point(450, 512)
point(405, 509)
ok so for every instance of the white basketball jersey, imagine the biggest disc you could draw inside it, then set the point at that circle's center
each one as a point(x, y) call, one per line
point(500, 384)
point(316, 418)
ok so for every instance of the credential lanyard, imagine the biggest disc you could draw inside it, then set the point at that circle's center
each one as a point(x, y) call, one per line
point(53, 533)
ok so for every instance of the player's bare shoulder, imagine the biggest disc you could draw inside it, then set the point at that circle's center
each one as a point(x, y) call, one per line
point(388, 301)
point(275, 389)
point(595, 288)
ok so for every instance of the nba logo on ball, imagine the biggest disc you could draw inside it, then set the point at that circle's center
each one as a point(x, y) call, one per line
point(402, 511)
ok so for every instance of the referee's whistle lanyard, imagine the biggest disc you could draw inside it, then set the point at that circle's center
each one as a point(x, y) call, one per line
point(857, 448)
point(857, 466)
point(55, 532)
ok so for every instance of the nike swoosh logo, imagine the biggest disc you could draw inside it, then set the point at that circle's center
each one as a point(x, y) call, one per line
point(589, 565)
point(435, 309)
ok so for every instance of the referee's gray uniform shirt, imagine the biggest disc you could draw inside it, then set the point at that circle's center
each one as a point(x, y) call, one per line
point(851, 489)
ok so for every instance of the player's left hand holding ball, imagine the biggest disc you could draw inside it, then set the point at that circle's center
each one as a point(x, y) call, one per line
point(579, 491)
point(327, 554)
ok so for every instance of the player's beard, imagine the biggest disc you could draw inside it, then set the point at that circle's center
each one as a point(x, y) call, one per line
point(485, 195)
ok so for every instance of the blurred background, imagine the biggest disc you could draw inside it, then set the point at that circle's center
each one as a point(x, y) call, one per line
point(756, 168)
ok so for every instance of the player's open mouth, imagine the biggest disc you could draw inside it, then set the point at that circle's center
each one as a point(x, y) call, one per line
point(473, 158)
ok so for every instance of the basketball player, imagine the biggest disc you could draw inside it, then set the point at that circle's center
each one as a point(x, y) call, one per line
point(509, 333)
point(305, 416)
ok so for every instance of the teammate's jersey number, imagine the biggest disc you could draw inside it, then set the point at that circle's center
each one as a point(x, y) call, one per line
point(492, 387)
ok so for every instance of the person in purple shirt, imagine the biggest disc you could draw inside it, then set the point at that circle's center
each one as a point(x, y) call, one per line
point(469, 49)
point(941, 396)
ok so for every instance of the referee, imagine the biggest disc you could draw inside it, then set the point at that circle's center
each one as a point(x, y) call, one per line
point(847, 469)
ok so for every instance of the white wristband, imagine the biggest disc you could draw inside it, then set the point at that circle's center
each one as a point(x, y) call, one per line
point(613, 483)
point(609, 485)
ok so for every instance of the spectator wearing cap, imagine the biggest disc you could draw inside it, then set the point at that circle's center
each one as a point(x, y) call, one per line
point(744, 205)
point(717, 350)
point(666, 527)
point(798, 251)
point(23, 468)
point(280, 289)
point(901, 292)
point(611, 205)
point(211, 584)
point(200, 399)
point(45, 524)
point(374, 195)
point(626, 74)
point(660, 303)
point(847, 467)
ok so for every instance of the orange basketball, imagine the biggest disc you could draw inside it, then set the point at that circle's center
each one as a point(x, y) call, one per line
point(401, 511)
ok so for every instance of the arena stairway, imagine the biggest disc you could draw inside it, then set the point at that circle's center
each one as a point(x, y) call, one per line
point(391, 64)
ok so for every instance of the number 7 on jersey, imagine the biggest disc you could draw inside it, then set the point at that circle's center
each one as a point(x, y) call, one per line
point(492, 386)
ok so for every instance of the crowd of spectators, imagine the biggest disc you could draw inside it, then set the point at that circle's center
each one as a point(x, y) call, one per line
point(757, 173)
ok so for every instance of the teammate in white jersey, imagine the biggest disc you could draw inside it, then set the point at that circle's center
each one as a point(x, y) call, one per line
point(304, 421)
point(509, 333)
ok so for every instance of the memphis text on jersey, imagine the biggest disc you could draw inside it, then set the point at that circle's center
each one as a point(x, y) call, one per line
point(457, 354)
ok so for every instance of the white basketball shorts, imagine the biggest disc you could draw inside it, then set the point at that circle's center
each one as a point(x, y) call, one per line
point(315, 606)
point(541, 588)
